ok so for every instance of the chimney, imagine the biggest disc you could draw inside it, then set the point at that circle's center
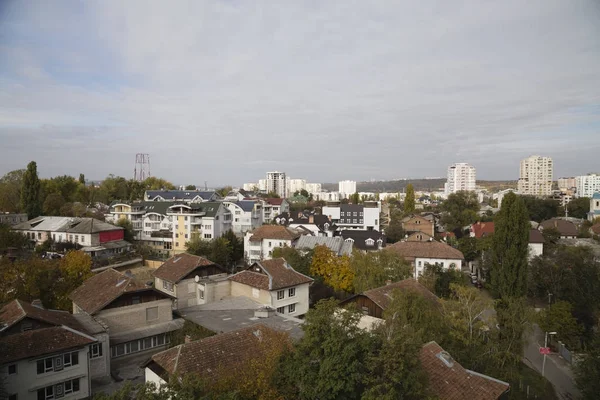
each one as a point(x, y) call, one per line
point(37, 303)
point(187, 339)
point(311, 219)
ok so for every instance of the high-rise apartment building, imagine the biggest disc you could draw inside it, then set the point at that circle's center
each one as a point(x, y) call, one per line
point(346, 188)
point(295, 185)
point(535, 177)
point(277, 183)
point(587, 185)
point(566, 183)
point(313, 188)
point(461, 176)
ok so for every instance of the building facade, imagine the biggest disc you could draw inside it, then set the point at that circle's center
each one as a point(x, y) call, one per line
point(461, 176)
point(587, 185)
point(276, 182)
point(313, 187)
point(565, 184)
point(354, 216)
point(246, 215)
point(346, 188)
point(535, 176)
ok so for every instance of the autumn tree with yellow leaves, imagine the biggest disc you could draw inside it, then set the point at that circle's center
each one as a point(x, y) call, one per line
point(334, 270)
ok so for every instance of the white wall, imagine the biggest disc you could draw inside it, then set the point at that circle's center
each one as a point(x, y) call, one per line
point(535, 249)
point(151, 377)
point(420, 264)
point(301, 300)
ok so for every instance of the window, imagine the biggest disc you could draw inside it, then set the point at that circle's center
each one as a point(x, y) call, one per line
point(70, 359)
point(57, 363)
point(96, 350)
point(291, 292)
point(39, 235)
point(59, 390)
point(280, 294)
point(270, 244)
point(12, 369)
point(354, 214)
point(361, 213)
point(76, 238)
point(177, 235)
point(46, 393)
point(176, 244)
point(185, 218)
point(419, 263)
point(186, 235)
point(151, 313)
point(82, 239)
point(168, 286)
point(281, 310)
point(452, 265)
point(207, 236)
point(291, 308)
point(201, 293)
point(342, 214)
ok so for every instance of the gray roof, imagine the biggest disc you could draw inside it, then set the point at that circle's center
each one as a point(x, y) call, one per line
point(335, 244)
point(47, 224)
point(182, 194)
point(246, 205)
point(67, 224)
point(238, 312)
point(91, 225)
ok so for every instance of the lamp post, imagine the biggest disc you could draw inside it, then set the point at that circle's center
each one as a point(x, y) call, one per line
point(546, 346)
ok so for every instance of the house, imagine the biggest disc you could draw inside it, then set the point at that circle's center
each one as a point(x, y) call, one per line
point(180, 277)
point(481, 229)
point(536, 243)
point(419, 237)
point(272, 207)
point(207, 220)
point(336, 244)
point(567, 229)
point(187, 196)
point(12, 219)
point(138, 317)
point(420, 254)
point(213, 357)
point(49, 353)
point(363, 240)
point(417, 223)
point(374, 302)
point(448, 380)
point(259, 244)
point(354, 216)
point(594, 207)
point(319, 225)
point(246, 215)
point(274, 283)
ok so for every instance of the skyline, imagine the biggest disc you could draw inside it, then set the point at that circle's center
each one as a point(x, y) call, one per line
point(225, 91)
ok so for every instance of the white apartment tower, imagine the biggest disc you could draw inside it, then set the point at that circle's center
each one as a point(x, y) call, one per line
point(346, 188)
point(461, 176)
point(276, 183)
point(535, 178)
point(587, 185)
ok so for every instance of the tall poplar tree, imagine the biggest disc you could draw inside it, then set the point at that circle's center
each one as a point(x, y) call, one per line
point(409, 201)
point(510, 247)
point(30, 193)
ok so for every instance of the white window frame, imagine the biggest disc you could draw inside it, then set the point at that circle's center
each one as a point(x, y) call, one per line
point(280, 294)
point(292, 292)
point(292, 308)
point(96, 350)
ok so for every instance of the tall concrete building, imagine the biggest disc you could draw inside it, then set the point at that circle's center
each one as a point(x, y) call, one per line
point(535, 177)
point(277, 183)
point(295, 185)
point(313, 187)
point(346, 188)
point(587, 185)
point(566, 183)
point(461, 176)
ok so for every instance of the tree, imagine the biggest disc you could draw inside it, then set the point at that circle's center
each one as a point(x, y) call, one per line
point(82, 179)
point(579, 207)
point(459, 210)
point(373, 269)
point(236, 247)
point(439, 280)
point(540, 209)
point(334, 270)
point(409, 201)
point(394, 232)
point(199, 247)
point(510, 248)
point(224, 190)
point(190, 187)
point(559, 318)
point(304, 193)
point(11, 239)
point(354, 198)
point(30, 192)
point(128, 232)
point(299, 259)
point(11, 185)
point(53, 204)
point(75, 268)
point(587, 370)
point(154, 183)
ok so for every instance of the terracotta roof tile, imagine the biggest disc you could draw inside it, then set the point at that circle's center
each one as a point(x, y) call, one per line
point(271, 275)
point(481, 229)
point(274, 201)
point(433, 249)
point(382, 295)
point(101, 289)
point(181, 265)
point(454, 382)
point(276, 232)
point(251, 278)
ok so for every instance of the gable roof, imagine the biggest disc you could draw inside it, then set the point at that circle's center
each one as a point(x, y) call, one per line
point(178, 267)
point(39, 342)
point(91, 225)
point(433, 249)
point(382, 296)
point(336, 244)
point(277, 232)
point(273, 274)
point(453, 382)
point(181, 194)
point(481, 229)
point(566, 228)
point(536, 236)
point(43, 223)
point(209, 208)
point(359, 238)
point(101, 289)
point(67, 224)
point(274, 201)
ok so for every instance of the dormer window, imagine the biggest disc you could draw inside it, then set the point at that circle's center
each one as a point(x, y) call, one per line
point(370, 242)
point(349, 240)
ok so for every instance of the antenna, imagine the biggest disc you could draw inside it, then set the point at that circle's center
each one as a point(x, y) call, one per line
point(141, 171)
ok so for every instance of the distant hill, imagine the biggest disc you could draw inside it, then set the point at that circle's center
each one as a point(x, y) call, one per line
point(425, 185)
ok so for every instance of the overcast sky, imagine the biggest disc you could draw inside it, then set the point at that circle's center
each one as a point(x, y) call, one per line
point(224, 91)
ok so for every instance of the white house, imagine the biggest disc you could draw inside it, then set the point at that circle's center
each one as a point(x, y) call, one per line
point(276, 284)
point(246, 215)
point(354, 216)
point(420, 254)
point(260, 243)
point(187, 196)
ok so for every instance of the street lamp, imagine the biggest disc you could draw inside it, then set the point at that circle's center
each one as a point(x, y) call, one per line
point(546, 346)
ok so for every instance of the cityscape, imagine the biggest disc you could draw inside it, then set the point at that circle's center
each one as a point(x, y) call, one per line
point(335, 200)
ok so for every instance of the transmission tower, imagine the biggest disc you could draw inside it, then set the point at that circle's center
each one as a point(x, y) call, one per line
point(141, 171)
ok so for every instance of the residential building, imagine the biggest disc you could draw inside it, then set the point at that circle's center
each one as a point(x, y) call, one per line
point(535, 176)
point(346, 188)
point(208, 220)
point(567, 229)
point(448, 380)
point(180, 277)
point(12, 219)
point(276, 182)
point(566, 184)
point(481, 229)
point(211, 358)
point(587, 185)
point(461, 176)
point(500, 195)
point(419, 237)
point(313, 188)
point(354, 216)
point(260, 243)
point(594, 207)
point(274, 283)
point(374, 302)
point(271, 207)
point(363, 240)
point(187, 196)
point(418, 223)
point(421, 254)
point(251, 187)
point(49, 353)
point(246, 215)
point(327, 196)
point(139, 318)
point(317, 224)
point(536, 243)
point(337, 245)
point(295, 185)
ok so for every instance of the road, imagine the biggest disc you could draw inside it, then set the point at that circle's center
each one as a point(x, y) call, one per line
point(558, 371)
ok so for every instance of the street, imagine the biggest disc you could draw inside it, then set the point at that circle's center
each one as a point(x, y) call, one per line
point(558, 371)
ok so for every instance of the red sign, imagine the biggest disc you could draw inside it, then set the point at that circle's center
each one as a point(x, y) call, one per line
point(544, 350)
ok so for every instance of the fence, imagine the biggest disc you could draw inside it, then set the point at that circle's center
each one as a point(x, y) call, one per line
point(564, 352)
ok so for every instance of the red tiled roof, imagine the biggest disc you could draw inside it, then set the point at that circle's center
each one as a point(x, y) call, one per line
point(179, 266)
point(454, 382)
point(16, 310)
point(271, 275)
point(433, 249)
point(251, 278)
point(481, 229)
point(38, 342)
point(99, 290)
point(274, 201)
point(275, 232)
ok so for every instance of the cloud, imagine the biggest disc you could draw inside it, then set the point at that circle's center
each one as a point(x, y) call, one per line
point(223, 90)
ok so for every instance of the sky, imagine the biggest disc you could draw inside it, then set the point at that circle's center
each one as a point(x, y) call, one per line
point(223, 91)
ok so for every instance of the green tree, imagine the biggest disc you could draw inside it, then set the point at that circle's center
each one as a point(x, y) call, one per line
point(30, 193)
point(304, 193)
point(299, 259)
point(11, 185)
point(53, 204)
point(510, 248)
point(82, 179)
point(11, 239)
point(154, 183)
point(374, 268)
point(128, 232)
point(190, 187)
point(587, 370)
point(236, 247)
point(579, 207)
point(354, 198)
point(459, 210)
point(559, 318)
point(439, 280)
point(199, 247)
point(394, 232)
point(540, 209)
point(224, 190)
point(409, 201)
